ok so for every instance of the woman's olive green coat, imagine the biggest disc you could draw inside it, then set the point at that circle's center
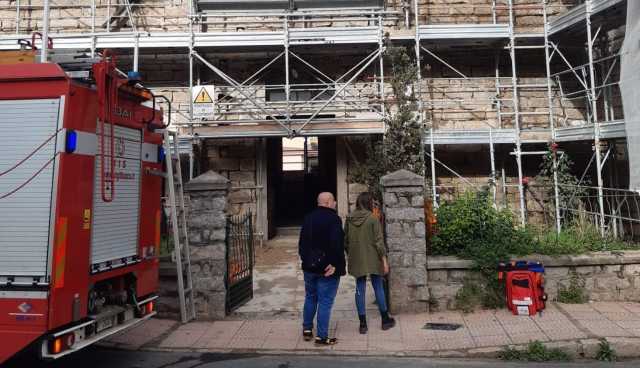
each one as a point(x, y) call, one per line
point(364, 244)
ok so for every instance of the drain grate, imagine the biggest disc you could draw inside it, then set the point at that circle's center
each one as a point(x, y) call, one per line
point(442, 326)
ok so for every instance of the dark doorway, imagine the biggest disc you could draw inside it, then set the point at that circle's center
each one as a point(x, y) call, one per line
point(298, 170)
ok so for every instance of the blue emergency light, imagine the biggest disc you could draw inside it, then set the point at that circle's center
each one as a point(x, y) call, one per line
point(71, 143)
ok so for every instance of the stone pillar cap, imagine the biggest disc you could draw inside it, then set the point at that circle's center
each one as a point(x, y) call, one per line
point(402, 178)
point(210, 180)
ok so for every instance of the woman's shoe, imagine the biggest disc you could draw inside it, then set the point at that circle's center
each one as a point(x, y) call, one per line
point(363, 328)
point(388, 323)
point(363, 324)
point(307, 335)
point(326, 341)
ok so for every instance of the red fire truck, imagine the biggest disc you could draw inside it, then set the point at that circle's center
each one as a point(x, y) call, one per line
point(80, 202)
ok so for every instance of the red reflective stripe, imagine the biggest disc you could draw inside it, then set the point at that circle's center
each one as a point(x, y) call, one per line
point(59, 256)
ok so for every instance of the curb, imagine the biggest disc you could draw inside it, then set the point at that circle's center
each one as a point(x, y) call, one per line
point(625, 347)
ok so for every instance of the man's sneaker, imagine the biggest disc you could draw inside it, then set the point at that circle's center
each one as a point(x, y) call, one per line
point(326, 341)
point(388, 323)
point(307, 335)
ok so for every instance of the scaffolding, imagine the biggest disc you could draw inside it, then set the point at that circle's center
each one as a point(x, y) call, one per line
point(350, 104)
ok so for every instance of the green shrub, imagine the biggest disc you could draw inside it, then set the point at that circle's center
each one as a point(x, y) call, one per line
point(535, 352)
point(605, 352)
point(470, 227)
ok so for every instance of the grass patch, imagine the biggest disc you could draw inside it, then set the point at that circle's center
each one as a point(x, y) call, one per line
point(536, 351)
point(575, 292)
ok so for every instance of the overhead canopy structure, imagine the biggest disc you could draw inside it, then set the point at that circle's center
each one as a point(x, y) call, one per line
point(630, 89)
point(249, 5)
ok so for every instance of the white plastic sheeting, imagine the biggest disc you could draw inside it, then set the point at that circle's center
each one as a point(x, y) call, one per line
point(630, 89)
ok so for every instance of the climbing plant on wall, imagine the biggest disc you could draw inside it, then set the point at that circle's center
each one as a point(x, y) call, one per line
point(569, 189)
point(401, 146)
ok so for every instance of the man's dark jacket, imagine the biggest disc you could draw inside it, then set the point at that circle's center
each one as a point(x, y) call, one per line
point(322, 229)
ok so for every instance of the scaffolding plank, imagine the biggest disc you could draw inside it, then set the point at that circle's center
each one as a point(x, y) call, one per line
point(608, 130)
point(472, 136)
point(463, 31)
point(309, 36)
point(273, 130)
point(578, 14)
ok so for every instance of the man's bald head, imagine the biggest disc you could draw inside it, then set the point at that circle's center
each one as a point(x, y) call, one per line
point(325, 199)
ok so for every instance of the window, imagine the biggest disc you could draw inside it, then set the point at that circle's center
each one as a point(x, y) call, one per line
point(300, 154)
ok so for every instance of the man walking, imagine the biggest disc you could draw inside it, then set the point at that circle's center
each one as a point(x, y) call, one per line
point(321, 249)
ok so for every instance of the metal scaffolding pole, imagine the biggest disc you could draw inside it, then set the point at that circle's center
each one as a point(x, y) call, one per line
point(516, 112)
point(498, 98)
point(594, 117)
point(191, 41)
point(492, 157)
point(552, 125)
point(287, 86)
point(381, 45)
point(17, 17)
point(136, 52)
point(432, 147)
point(45, 32)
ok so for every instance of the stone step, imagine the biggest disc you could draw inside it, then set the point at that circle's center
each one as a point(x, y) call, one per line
point(288, 231)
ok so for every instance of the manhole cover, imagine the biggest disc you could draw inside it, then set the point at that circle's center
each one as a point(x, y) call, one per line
point(442, 326)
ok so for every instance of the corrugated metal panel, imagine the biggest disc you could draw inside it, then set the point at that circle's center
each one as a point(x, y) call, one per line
point(114, 233)
point(25, 215)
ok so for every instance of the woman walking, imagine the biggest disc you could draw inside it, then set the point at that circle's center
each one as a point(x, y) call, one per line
point(367, 256)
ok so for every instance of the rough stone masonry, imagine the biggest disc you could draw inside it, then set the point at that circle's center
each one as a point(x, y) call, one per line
point(207, 231)
point(407, 250)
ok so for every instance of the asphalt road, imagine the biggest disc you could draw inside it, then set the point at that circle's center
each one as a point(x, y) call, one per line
point(102, 358)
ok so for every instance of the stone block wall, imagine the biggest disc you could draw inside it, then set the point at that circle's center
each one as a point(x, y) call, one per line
point(235, 159)
point(528, 13)
point(458, 103)
point(171, 15)
point(76, 16)
point(606, 276)
point(406, 242)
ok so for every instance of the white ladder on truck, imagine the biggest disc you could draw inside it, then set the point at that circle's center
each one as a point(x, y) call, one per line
point(181, 252)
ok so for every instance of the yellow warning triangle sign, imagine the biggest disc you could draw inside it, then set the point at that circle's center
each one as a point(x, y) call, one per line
point(203, 97)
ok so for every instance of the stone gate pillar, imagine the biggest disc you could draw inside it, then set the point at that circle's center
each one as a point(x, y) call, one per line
point(207, 230)
point(403, 202)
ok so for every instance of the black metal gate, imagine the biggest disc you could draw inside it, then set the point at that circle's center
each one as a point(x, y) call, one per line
point(240, 260)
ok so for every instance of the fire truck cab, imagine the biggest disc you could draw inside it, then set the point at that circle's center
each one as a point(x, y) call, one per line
point(79, 206)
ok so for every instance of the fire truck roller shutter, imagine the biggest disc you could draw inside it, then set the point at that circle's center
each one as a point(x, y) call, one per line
point(25, 216)
point(114, 232)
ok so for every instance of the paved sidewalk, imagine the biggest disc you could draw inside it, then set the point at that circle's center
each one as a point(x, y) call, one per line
point(574, 328)
point(278, 286)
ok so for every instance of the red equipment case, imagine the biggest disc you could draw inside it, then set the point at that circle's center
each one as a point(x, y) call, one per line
point(524, 287)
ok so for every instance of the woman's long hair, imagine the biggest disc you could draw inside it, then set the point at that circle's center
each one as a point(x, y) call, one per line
point(364, 201)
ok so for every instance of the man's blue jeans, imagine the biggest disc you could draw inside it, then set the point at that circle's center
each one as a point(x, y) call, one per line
point(320, 292)
point(378, 289)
